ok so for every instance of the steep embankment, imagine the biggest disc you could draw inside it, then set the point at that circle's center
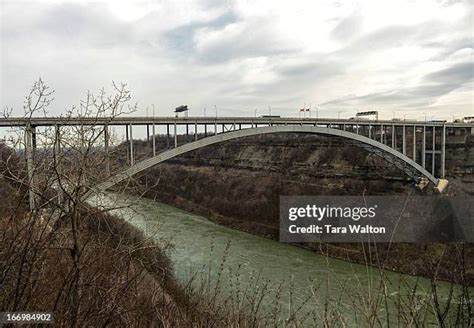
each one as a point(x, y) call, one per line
point(238, 184)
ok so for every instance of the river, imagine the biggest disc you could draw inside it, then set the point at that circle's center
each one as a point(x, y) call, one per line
point(294, 280)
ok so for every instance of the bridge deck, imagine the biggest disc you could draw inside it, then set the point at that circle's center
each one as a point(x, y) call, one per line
point(135, 120)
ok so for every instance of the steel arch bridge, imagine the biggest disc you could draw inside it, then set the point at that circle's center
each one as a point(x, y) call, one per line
point(400, 160)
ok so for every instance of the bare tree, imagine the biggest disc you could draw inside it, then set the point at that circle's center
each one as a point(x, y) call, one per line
point(58, 165)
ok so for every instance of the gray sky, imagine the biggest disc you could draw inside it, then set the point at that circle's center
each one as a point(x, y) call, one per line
point(405, 56)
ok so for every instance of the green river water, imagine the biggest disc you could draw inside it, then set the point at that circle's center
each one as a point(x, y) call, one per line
point(296, 280)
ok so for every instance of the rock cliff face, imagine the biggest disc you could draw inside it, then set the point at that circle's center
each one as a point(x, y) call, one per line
point(238, 184)
point(460, 164)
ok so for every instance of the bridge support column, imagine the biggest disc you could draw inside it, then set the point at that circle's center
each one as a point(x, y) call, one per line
point(175, 136)
point(433, 157)
point(443, 151)
point(393, 136)
point(381, 133)
point(57, 139)
point(106, 148)
point(167, 136)
point(205, 130)
point(33, 138)
point(154, 139)
point(148, 132)
point(423, 148)
point(404, 140)
point(414, 143)
point(132, 160)
point(29, 131)
point(195, 131)
point(57, 153)
point(187, 132)
point(215, 128)
point(370, 131)
point(127, 140)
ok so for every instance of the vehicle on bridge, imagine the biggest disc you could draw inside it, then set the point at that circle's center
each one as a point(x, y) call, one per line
point(181, 109)
point(369, 113)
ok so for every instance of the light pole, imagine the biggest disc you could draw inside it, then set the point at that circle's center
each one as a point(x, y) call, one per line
point(393, 115)
point(216, 110)
point(269, 111)
point(256, 112)
point(425, 117)
point(339, 115)
point(205, 108)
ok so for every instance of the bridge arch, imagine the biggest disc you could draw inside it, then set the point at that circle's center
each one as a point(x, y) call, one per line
point(372, 144)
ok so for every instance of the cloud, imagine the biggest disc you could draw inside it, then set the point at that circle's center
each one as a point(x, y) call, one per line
point(433, 86)
point(349, 27)
point(456, 75)
point(66, 23)
point(227, 38)
point(181, 38)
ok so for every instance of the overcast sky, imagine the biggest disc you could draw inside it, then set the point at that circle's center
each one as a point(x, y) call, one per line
point(406, 56)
